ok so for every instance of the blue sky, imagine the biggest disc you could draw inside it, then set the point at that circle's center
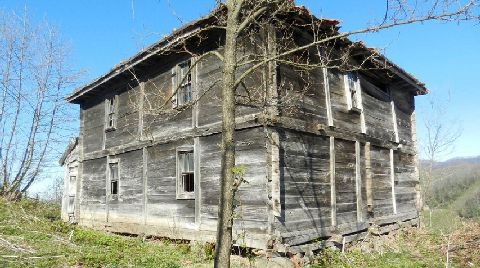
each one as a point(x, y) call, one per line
point(444, 56)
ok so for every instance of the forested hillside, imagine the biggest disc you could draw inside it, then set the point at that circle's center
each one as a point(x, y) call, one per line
point(456, 186)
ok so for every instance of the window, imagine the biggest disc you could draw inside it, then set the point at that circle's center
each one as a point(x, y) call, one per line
point(113, 169)
point(185, 175)
point(110, 110)
point(181, 76)
point(352, 91)
point(71, 205)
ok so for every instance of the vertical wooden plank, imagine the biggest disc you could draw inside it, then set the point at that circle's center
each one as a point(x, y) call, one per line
point(358, 181)
point(275, 173)
point(348, 96)
point(195, 93)
point(145, 182)
point(363, 125)
point(79, 182)
point(328, 103)
point(197, 180)
point(141, 103)
point(392, 179)
point(368, 177)
point(333, 193)
point(107, 189)
point(394, 120)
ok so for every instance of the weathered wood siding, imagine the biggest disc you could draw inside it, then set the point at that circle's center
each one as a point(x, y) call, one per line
point(345, 182)
point(305, 184)
point(378, 112)
point(342, 117)
point(251, 214)
point(381, 179)
point(126, 117)
point(302, 94)
point(404, 108)
point(405, 182)
point(163, 207)
point(93, 190)
point(93, 125)
point(126, 206)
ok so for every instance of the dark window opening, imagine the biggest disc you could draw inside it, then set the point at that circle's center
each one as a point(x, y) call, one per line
point(113, 178)
point(114, 187)
point(188, 182)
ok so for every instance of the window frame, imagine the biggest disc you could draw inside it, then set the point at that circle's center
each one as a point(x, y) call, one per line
point(354, 98)
point(111, 102)
point(117, 180)
point(178, 98)
point(180, 191)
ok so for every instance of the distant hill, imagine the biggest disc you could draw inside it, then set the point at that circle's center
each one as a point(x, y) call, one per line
point(457, 161)
point(456, 185)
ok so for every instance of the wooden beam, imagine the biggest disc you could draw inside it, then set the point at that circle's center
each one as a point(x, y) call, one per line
point(328, 103)
point(394, 120)
point(197, 181)
point(358, 181)
point(368, 177)
point(145, 183)
point(333, 193)
point(141, 103)
point(363, 124)
point(392, 179)
point(275, 173)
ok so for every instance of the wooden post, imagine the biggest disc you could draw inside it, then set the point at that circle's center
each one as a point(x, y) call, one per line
point(107, 189)
point(333, 193)
point(394, 121)
point(358, 181)
point(197, 181)
point(275, 174)
point(145, 183)
point(328, 104)
point(368, 177)
point(392, 179)
point(141, 104)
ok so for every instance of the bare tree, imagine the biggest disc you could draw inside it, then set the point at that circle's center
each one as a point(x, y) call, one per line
point(441, 133)
point(34, 76)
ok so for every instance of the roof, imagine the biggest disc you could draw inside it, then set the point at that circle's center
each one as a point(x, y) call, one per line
point(194, 27)
point(70, 147)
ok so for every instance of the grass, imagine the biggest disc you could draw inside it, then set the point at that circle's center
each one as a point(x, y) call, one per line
point(32, 235)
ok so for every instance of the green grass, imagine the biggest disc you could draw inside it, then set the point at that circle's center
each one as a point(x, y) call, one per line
point(32, 235)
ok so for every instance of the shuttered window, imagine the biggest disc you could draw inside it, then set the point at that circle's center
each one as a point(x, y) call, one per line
point(110, 113)
point(182, 92)
point(353, 91)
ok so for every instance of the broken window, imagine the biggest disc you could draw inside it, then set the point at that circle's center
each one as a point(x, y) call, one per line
point(110, 111)
point(113, 168)
point(181, 75)
point(186, 175)
point(352, 91)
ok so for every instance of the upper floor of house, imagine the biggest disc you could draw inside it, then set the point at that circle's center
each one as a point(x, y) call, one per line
point(169, 91)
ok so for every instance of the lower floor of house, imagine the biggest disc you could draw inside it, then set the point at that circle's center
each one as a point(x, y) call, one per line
point(298, 187)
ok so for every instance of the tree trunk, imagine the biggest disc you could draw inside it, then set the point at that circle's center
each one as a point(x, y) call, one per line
point(225, 208)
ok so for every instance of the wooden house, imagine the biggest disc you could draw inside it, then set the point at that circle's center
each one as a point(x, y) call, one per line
point(343, 159)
